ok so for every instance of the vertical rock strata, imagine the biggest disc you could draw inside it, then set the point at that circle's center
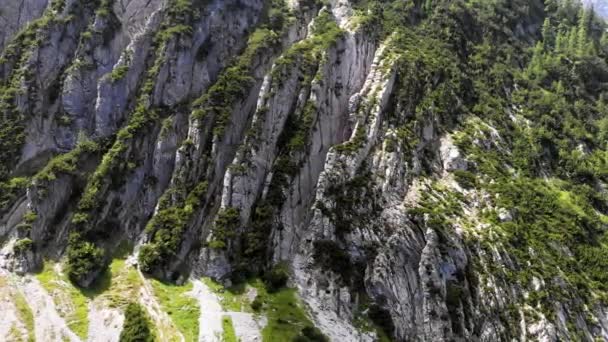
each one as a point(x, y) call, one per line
point(348, 142)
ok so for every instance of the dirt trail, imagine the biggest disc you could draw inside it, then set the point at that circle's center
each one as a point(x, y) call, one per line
point(105, 324)
point(246, 326)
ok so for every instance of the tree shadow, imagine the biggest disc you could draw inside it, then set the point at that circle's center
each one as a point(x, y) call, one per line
point(101, 285)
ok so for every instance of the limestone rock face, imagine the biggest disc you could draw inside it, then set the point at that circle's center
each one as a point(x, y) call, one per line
point(233, 138)
point(17, 14)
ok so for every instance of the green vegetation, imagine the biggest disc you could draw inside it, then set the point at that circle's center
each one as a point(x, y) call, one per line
point(166, 229)
point(23, 245)
point(122, 284)
point(466, 179)
point(183, 309)
point(224, 228)
point(229, 334)
point(287, 318)
point(119, 73)
point(25, 315)
point(66, 163)
point(136, 327)
point(85, 258)
point(310, 334)
point(10, 190)
point(12, 122)
point(16, 55)
point(531, 119)
point(71, 303)
point(234, 83)
point(277, 277)
point(233, 298)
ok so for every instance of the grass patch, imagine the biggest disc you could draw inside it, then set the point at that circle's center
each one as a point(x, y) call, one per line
point(233, 298)
point(285, 313)
point(73, 304)
point(26, 315)
point(124, 284)
point(183, 309)
point(229, 333)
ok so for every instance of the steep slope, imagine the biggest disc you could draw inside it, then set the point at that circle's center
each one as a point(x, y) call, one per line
point(346, 170)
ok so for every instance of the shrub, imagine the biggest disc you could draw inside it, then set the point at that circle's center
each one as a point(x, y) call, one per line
point(310, 334)
point(226, 223)
point(148, 257)
point(382, 318)
point(136, 327)
point(84, 260)
point(23, 245)
point(257, 303)
point(329, 255)
point(466, 179)
point(277, 277)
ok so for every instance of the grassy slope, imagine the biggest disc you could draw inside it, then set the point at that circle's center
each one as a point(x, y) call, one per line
point(183, 309)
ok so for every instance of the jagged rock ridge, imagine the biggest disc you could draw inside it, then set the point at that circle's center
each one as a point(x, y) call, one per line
point(395, 162)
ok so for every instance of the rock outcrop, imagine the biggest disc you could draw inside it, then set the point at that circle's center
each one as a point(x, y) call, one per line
point(231, 138)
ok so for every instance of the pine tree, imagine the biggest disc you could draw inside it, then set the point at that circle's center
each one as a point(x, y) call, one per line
point(547, 35)
point(428, 7)
point(572, 41)
point(136, 327)
point(551, 6)
point(561, 41)
point(584, 25)
point(535, 68)
point(604, 42)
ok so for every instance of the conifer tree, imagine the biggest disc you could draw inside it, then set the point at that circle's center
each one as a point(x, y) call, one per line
point(136, 326)
point(547, 33)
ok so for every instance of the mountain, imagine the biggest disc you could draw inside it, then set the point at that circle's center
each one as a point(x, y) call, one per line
point(269, 170)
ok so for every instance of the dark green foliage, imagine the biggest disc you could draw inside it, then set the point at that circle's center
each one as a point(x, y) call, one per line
point(234, 82)
point(136, 327)
point(329, 255)
point(355, 203)
point(256, 242)
point(66, 163)
point(537, 139)
point(23, 245)
point(466, 179)
point(224, 228)
point(277, 277)
point(85, 260)
point(310, 334)
point(382, 318)
point(10, 190)
point(257, 303)
point(166, 229)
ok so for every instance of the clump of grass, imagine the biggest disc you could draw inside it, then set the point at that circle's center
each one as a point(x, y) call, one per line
point(229, 333)
point(233, 298)
point(124, 284)
point(285, 313)
point(182, 308)
point(25, 314)
point(72, 302)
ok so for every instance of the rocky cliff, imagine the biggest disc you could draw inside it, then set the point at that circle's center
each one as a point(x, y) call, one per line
point(274, 170)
